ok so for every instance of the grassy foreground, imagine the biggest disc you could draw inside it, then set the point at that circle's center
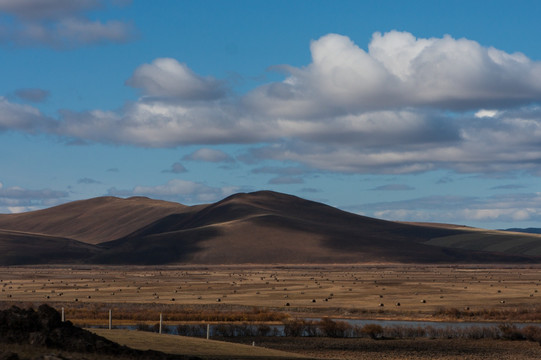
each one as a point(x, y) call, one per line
point(181, 345)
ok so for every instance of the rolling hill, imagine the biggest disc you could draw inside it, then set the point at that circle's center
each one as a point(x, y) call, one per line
point(92, 221)
point(262, 228)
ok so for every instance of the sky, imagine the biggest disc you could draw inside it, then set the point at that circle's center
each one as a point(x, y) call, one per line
point(400, 110)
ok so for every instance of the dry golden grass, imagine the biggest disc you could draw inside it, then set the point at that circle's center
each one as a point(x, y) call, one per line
point(341, 291)
point(181, 345)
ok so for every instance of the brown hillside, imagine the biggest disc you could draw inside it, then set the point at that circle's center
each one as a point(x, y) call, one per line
point(262, 227)
point(17, 248)
point(92, 221)
point(268, 227)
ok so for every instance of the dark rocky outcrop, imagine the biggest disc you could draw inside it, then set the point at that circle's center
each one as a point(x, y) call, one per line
point(8, 355)
point(44, 328)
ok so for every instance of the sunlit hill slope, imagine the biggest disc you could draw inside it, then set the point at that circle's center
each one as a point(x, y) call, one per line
point(261, 228)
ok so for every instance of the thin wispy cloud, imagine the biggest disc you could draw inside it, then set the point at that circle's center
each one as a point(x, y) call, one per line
point(393, 187)
point(88, 181)
point(32, 94)
point(508, 187)
point(208, 155)
point(176, 168)
point(184, 191)
point(60, 24)
point(15, 199)
point(458, 209)
point(282, 180)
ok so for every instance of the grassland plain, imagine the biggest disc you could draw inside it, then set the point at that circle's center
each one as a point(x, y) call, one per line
point(273, 293)
point(418, 349)
point(327, 348)
point(181, 345)
point(343, 291)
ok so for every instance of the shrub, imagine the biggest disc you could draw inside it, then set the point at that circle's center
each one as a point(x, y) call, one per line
point(244, 329)
point(143, 327)
point(375, 331)
point(263, 330)
point(192, 330)
point(532, 333)
point(294, 327)
point(333, 328)
point(510, 332)
point(225, 330)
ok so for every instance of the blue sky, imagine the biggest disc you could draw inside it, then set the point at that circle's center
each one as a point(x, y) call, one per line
point(401, 110)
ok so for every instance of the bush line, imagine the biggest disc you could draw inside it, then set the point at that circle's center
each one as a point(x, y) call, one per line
point(342, 329)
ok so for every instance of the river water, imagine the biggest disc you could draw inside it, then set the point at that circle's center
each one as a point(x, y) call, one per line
point(232, 329)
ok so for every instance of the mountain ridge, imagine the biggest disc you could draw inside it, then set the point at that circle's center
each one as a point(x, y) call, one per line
point(260, 227)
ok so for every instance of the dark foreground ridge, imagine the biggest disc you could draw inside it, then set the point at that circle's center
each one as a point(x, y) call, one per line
point(44, 329)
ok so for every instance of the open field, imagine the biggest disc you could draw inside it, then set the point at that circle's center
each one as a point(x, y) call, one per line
point(181, 345)
point(417, 349)
point(355, 291)
point(316, 348)
point(326, 348)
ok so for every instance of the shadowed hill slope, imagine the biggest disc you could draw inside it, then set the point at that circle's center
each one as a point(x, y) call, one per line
point(94, 220)
point(269, 227)
point(262, 227)
point(26, 248)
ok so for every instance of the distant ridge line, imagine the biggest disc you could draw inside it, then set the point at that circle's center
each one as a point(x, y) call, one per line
point(262, 227)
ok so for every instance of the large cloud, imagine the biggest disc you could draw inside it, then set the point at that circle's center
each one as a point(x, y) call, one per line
point(400, 71)
point(155, 123)
point(405, 105)
point(508, 142)
point(59, 24)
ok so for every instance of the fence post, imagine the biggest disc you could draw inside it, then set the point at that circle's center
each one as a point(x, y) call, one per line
point(208, 331)
point(110, 319)
point(161, 318)
point(63, 316)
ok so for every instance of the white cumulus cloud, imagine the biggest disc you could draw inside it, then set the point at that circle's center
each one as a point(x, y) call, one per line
point(168, 78)
point(23, 118)
point(400, 70)
point(404, 105)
